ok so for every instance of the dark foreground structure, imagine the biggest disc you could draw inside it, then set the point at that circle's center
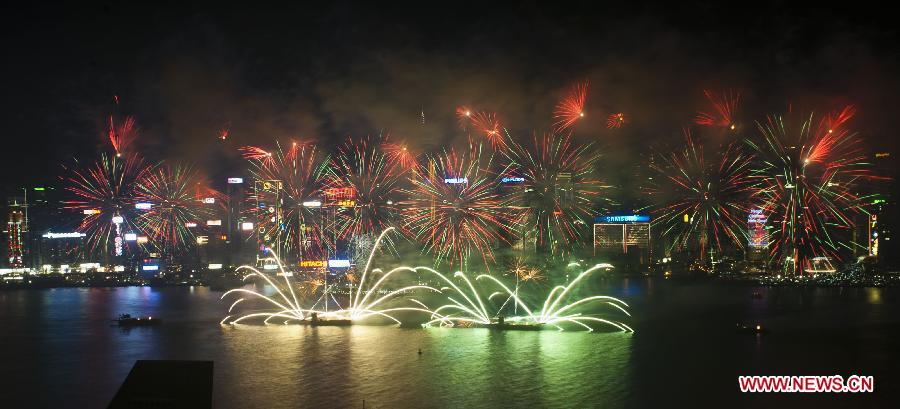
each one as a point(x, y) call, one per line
point(166, 384)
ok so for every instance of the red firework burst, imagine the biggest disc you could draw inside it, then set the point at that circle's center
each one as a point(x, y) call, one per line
point(615, 121)
point(483, 124)
point(121, 135)
point(400, 154)
point(463, 117)
point(724, 107)
point(571, 108)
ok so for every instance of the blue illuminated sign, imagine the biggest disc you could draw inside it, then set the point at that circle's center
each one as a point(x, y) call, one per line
point(630, 218)
point(512, 179)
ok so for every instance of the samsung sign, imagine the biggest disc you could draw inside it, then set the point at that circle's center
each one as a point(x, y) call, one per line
point(631, 218)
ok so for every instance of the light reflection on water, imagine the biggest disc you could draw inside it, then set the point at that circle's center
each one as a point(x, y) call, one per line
point(58, 349)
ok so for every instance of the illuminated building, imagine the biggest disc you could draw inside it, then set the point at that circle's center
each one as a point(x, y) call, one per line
point(623, 238)
point(269, 220)
point(60, 248)
point(16, 227)
point(757, 236)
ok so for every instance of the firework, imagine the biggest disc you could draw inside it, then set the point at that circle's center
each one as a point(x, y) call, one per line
point(615, 121)
point(224, 132)
point(559, 188)
point(399, 153)
point(121, 135)
point(368, 299)
point(523, 271)
point(454, 208)
point(571, 108)
point(254, 153)
point(468, 308)
point(724, 107)
point(362, 167)
point(806, 181)
point(175, 195)
point(482, 124)
point(104, 193)
point(704, 201)
point(463, 117)
point(297, 177)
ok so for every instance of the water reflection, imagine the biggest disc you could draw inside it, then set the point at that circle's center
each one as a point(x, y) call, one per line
point(684, 337)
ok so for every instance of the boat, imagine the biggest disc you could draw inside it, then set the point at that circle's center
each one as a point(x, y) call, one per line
point(318, 322)
point(126, 320)
point(751, 329)
point(331, 323)
point(502, 325)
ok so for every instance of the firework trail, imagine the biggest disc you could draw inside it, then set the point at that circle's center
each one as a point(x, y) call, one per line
point(559, 189)
point(302, 174)
point(454, 209)
point(223, 133)
point(175, 195)
point(615, 121)
point(103, 193)
point(364, 168)
point(724, 107)
point(806, 180)
point(703, 201)
point(571, 108)
point(255, 153)
point(121, 135)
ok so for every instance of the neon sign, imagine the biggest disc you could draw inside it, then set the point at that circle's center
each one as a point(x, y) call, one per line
point(631, 218)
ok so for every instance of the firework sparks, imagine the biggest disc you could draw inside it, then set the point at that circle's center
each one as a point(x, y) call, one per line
point(121, 135)
point(559, 188)
point(724, 107)
point(806, 180)
point(704, 201)
point(224, 132)
point(363, 168)
point(571, 108)
point(170, 193)
point(104, 193)
point(301, 173)
point(483, 124)
point(400, 154)
point(454, 208)
point(615, 121)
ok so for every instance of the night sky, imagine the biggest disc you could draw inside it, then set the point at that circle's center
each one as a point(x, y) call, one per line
point(338, 70)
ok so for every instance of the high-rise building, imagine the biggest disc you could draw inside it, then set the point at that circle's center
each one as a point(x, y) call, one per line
point(16, 227)
point(623, 239)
